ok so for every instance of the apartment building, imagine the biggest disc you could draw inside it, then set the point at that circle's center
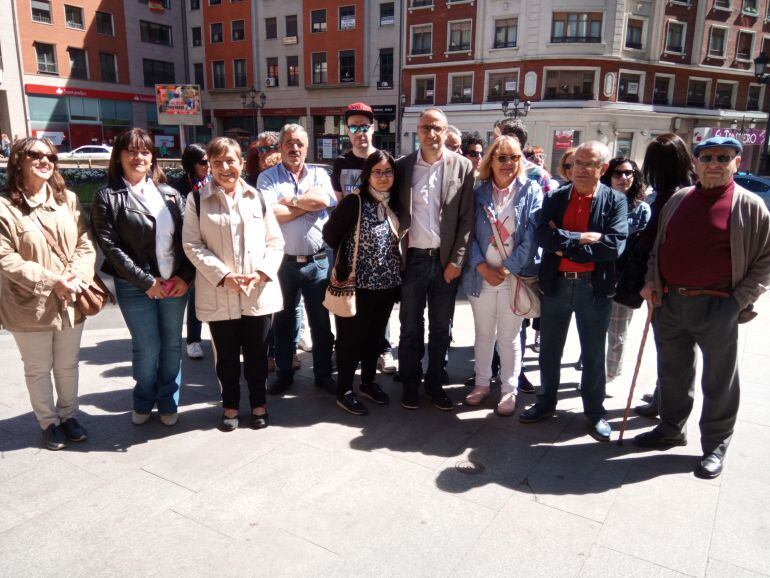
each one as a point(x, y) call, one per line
point(11, 96)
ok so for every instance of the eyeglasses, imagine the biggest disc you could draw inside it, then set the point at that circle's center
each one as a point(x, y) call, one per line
point(474, 154)
point(386, 174)
point(567, 166)
point(356, 128)
point(618, 174)
point(721, 159)
point(505, 158)
point(266, 148)
point(203, 162)
point(584, 165)
point(429, 128)
point(38, 156)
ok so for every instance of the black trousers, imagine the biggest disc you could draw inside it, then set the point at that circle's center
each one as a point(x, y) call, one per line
point(359, 338)
point(231, 337)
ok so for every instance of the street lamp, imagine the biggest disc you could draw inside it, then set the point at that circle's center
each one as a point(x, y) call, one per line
point(760, 71)
point(256, 102)
point(516, 108)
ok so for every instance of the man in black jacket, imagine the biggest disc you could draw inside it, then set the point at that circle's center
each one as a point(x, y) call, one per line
point(582, 231)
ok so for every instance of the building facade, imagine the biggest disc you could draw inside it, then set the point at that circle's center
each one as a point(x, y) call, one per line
point(11, 96)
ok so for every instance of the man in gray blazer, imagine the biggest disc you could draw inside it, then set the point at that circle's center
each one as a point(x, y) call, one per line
point(436, 217)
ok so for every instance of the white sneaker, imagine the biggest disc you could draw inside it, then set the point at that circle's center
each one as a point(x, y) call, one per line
point(169, 419)
point(387, 364)
point(305, 343)
point(139, 418)
point(194, 350)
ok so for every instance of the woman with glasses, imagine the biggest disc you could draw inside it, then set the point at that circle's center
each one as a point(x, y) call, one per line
point(38, 288)
point(377, 276)
point(565, 166)
point(502, 245)
point(262, 154)
point(137, 221)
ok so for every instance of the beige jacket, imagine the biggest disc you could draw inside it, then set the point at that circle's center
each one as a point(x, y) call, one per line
point(213, 248)
point(29, 268)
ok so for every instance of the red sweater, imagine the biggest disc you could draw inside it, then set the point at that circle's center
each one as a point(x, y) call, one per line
point(696, 252)
point(575, 219)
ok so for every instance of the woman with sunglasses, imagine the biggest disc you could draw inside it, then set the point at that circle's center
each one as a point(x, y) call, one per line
point(565, 166)
point(623, 175)
point(377, 276)
point(38, 288)
point(262, 154)
point(137, 221)
point(196, 174)
point(510, 202)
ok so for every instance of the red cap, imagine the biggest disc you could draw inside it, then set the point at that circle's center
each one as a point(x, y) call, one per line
point(359, 108)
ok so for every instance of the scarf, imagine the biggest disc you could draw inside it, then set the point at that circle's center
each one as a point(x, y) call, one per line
point(197, 184)
point(383, 209)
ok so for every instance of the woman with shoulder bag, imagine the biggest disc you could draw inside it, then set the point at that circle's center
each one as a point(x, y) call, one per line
point(137, 221)
point(39, 287)
point(500, 260)
point(363, 232)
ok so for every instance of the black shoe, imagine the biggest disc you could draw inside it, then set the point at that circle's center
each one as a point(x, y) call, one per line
point(374, 392)
point(397, 376)
point(54, 438)
point(536, 413)
point(647, 397)
point(228, 423)
point(327, 384)
point(647, 410)
point(259, 421)
point(350, 403)
point(74, 431)
point(710, 466)
point(440, 399)
point(280, 385)
point(410, 399)
point(525, 386)
point(470, 380)
point(655, 438)
point(579, 364)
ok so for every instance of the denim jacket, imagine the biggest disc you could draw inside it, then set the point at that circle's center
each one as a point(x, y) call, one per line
point(522, 260)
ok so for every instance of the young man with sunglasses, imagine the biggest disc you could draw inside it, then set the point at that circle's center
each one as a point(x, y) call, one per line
point(709, 263)
point(473, 149)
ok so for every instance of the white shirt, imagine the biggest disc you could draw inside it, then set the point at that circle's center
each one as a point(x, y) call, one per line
point(506, 223)
point(148, 195)
point(427, 181)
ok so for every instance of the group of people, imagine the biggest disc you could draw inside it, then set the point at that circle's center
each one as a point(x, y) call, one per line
point(243, 249)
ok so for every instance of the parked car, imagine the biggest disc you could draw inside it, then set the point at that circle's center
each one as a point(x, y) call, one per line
point(88, 152)
point(755, 184)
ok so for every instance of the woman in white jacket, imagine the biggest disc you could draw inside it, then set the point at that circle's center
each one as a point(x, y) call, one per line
point(235, 243)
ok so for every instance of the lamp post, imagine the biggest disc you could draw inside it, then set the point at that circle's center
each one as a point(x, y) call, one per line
point(516, 108)
point(760, 71)
point(256, 102)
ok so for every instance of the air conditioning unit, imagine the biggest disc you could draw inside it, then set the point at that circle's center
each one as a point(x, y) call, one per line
point(271, 81)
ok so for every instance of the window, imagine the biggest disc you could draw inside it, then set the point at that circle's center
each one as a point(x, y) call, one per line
point(629, 87)
point(750, 7)
point(459, 36)
point(291, 25)
point(116, 112)
point(675, 37)
point(272, 69)
point(271, 28)
point(387, 14)
point(502, 86)
point(461, 88)
point(46, 58)
point(661, 90)
point(576, 27)
point(104, 24)
point(217, 35)
point(218, 70)
point(723, 98)
point(569, 85)
point(623, 144)
point(319, 68)
point(754, 97)
point(634, 33)
point(165, 3)
point(318, 21)
point(215, 2)
point(83, 108)
point(78, 63)
point(155, 33)
point(422, 39)
point(696, 93)
point(41, 11)
point(422, 4)
point(198, 77)
point(109, 67)
point(240, 76)
point(722, 4)
point(717, 38)
point(73, 16)
point(347, 66)
point(195, 4)
point(347, 17)
point(423, 90)
point(292, 68)
point(386, 67)
point(237, 30)
point(48, 109)
point(506, 31)
point(745, 46)
point(196, 36)
point(157, 72)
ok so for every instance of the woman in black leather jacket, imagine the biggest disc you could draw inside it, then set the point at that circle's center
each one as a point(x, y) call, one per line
point(137, 221)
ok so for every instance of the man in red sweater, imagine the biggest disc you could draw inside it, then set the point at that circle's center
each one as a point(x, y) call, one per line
point(710, 262)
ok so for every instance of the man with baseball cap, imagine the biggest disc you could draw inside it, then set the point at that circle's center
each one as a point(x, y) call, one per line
point(709, 263)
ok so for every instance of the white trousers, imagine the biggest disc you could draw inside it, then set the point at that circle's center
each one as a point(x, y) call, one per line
point(494, 321)
point(43, 352)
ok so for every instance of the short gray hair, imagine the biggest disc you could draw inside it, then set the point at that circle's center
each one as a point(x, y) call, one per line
point(291, 128)
point(270, 136)
point(436, 110)
point(455, 131)
point(598, 147)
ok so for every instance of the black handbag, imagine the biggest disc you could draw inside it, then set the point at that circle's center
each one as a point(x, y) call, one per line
point(633, 269)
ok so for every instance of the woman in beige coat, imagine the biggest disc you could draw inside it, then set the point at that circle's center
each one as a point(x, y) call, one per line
point(39, 289)
point(235, 243)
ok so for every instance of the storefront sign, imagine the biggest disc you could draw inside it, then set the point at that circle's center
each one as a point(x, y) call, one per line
point(46, 90)
point(749, 137)
point(179, 104)
point(384, 109)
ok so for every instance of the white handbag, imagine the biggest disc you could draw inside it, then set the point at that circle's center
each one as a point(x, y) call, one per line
point(340, 296)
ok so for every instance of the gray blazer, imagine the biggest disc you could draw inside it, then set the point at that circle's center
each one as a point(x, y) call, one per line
point(456, 218)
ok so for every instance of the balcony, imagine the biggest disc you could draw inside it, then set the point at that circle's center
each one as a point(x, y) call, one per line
point(575, 39)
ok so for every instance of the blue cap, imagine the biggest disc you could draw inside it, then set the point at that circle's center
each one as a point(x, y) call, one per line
point(718, 141)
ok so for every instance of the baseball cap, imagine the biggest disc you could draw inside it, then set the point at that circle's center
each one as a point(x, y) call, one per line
point(359, 108)
point(718, 141)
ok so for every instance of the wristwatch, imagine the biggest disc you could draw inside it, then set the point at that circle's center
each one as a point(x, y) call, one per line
point(295, 201)
point(506, 271)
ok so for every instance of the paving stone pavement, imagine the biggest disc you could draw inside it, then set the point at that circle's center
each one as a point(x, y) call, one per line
point(395, 493)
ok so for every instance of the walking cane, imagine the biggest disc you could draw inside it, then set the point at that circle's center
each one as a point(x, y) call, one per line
point(636, 372)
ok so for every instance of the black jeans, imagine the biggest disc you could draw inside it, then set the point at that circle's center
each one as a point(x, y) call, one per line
point(194, 325)
point(359, 337)
point(231, 337)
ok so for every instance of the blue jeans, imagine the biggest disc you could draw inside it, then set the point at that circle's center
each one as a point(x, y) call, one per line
point(592, 315)
point(194, 325)
point(310, 280)
point(423, 282)
point(156, 342)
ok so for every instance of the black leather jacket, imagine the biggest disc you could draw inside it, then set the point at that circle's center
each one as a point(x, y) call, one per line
point(125, 232)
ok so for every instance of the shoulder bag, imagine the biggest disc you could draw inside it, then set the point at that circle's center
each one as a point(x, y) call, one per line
point(341, 295)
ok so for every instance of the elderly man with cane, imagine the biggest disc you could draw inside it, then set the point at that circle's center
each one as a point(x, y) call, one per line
point(710, 262)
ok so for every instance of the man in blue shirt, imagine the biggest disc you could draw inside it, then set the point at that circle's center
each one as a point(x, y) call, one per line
point(301, 197)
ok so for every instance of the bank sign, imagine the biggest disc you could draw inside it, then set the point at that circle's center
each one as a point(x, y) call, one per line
point(749, 137)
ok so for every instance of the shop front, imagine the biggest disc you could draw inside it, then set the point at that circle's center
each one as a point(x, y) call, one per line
point(385, 127)
point(328, 138)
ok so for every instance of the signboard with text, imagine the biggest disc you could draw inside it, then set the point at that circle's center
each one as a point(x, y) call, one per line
point(179, 104)
point(749, 136)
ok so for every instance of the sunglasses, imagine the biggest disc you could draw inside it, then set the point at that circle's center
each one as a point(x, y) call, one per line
point(378, 174)
point(618, 174)
point(474, 154)
point(356, 128)
point(567, 166)
point(721, 159)
point(506, 158)
point(203, 162)
point(38, 156)
point(264, 149)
